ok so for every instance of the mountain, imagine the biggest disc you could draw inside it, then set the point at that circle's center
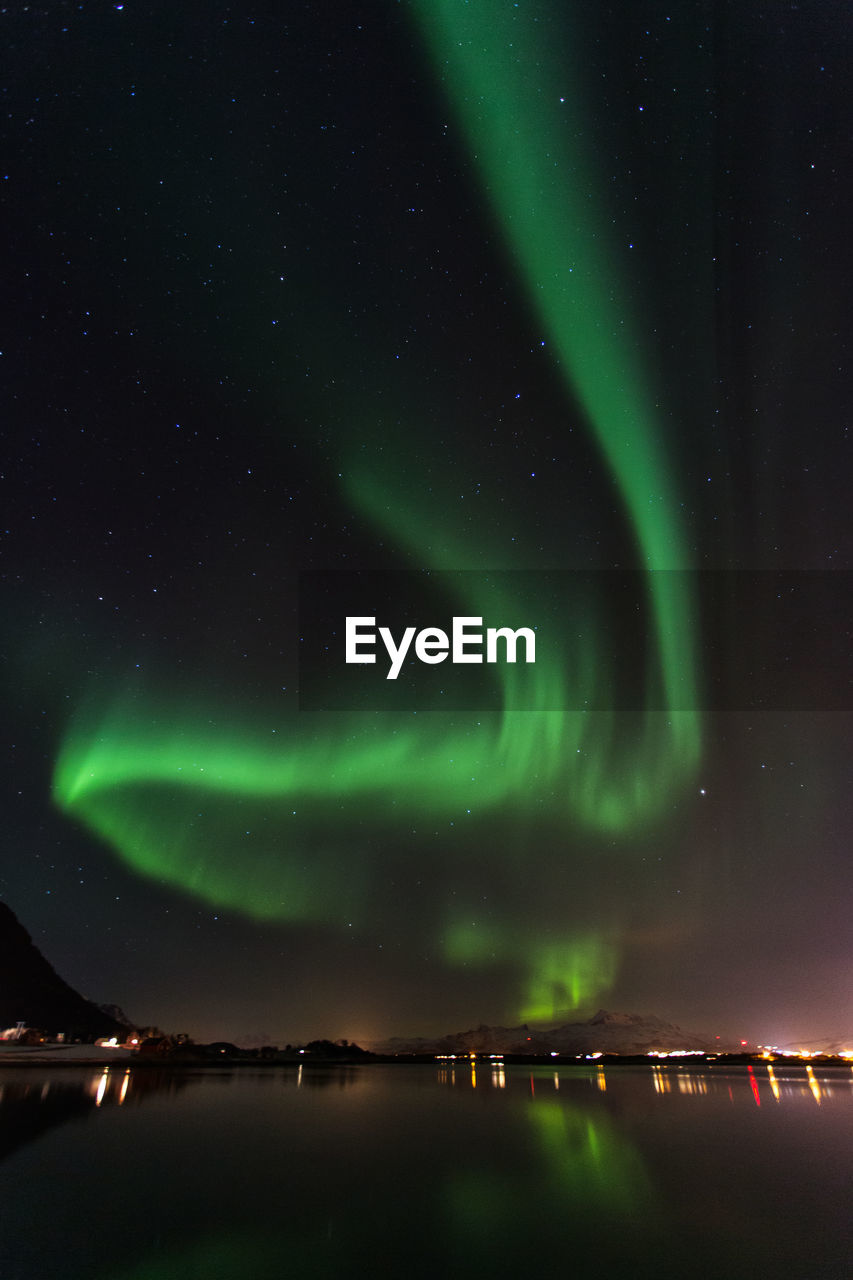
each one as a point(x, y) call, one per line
point(624, 1033)
point(32, 992)
point(117, 1014)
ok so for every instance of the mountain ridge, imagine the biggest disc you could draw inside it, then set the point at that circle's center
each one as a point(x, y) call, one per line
point(604, 1032)
point(32, 992)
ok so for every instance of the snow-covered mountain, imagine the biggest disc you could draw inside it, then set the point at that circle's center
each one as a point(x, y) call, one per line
point(605, 1032)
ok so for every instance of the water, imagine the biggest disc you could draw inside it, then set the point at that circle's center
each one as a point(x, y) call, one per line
point(425, 1170)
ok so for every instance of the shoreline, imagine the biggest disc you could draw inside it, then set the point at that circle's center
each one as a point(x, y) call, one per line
point(44, 1056)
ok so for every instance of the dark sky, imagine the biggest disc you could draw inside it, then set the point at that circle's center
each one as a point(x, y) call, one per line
point(529, 287)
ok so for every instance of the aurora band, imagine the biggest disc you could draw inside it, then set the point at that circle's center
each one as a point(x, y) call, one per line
point(165, 779)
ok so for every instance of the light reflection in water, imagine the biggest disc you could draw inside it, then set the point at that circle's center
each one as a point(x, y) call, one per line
point(102, 1087)
point(813, 1084)
point(589, 1160)
point(774, 1085)
point(107, 1088)
point(556, 1157)
point(737, 1083)
point(753, 1084)
point(661, 1080)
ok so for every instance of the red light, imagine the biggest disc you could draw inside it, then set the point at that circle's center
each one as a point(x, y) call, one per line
point(754, 1083)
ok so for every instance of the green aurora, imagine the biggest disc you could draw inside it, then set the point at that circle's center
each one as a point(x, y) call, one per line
point(269, 825)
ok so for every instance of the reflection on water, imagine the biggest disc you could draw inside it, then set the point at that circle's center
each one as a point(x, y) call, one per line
point(588, 1158)
point(735, 1083)
point(468, 1167)
point(33, 1100)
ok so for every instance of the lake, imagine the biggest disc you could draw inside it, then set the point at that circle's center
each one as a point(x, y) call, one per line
point(409, 1170)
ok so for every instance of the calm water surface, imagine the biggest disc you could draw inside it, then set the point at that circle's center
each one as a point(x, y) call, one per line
point(421, 1170)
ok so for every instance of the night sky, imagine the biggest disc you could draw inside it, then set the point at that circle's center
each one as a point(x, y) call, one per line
point(464, 287)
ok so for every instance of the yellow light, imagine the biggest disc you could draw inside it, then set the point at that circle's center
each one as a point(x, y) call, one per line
point(102, 1087)
point(773, 1083)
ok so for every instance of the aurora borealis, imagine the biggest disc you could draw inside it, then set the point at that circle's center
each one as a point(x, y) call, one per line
point(441, 287)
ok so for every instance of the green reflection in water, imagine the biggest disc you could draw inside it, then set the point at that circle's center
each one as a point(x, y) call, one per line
point(584, 1180)
point(588, 1180)
point(591, 1163)
point(221, 1256)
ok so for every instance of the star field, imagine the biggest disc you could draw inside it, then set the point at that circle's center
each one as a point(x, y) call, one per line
point(430, 287)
